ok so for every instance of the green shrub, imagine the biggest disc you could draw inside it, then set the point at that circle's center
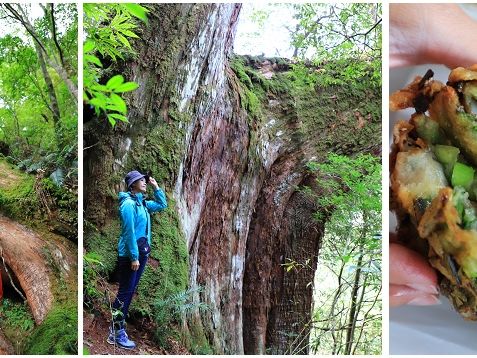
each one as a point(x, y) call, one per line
point(16, 315)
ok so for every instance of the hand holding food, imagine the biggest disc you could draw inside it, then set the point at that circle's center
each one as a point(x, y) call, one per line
point(434, 181)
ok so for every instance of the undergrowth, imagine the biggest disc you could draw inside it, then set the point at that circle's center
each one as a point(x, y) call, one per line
point(16, 322)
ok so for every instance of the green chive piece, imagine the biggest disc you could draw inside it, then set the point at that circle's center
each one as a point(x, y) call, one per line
point(446, 154)
point(462, 175)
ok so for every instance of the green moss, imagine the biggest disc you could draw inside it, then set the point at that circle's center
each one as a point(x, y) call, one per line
point(58, 334)
point(196, 340)
point(65, 201)
point(237, 65)
point(251, 94)
point(164, 152)
point(17, 196)
point(330, 107)
point(251, 103)
point(103, 245)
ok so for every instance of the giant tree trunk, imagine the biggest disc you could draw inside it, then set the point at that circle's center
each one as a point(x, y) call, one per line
point(233, 177)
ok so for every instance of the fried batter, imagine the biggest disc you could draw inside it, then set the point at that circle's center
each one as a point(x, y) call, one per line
point(432, 185)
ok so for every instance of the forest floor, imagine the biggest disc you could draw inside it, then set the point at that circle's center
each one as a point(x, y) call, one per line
point(96, 330)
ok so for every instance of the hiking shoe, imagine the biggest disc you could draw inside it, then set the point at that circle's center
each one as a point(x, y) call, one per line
point(121, 339)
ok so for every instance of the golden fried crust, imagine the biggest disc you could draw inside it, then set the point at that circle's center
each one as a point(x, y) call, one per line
point(447, 241)
point(404, 98)
point(415, 180)
point(463, 74)
point(401, 135)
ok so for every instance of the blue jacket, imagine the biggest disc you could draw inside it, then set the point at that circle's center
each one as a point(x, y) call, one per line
point(134, 213)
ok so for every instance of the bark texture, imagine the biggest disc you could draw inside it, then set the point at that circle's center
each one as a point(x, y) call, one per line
point(233, 174)
point(31, 270)
point(32, 261)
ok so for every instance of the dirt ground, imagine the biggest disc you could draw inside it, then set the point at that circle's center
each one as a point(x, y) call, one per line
point(95, 333)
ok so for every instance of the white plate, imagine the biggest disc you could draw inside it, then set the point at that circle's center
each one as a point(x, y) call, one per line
point(433, 329)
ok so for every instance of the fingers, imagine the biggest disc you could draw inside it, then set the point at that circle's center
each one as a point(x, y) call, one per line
point(407, 34)
point(431, 33)
point(412, 279)
point(135, 265)
point(401, 295)
point(153, 182)
point(453, 40)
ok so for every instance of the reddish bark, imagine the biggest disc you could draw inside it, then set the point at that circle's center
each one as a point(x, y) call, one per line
point(235, 185)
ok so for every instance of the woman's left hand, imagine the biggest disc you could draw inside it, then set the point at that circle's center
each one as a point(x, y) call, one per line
point(153, 182)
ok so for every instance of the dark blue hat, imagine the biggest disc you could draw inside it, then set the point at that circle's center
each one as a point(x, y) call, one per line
point(131, 177)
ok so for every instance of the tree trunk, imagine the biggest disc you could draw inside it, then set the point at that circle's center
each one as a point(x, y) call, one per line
point(53, 105)
point(233, 174)
point(292, 292)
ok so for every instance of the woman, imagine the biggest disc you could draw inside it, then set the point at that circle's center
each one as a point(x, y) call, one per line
point(133, 247)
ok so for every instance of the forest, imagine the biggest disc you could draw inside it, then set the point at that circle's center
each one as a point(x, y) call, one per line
point(38, 178)
point(271, 165)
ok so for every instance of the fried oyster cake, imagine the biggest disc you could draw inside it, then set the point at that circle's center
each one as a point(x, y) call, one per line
point(434, 181)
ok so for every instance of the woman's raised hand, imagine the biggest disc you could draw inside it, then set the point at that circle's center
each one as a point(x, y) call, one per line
point(153, 182)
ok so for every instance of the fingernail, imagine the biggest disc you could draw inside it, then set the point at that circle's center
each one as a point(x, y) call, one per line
point(433, 290)
point(427, 300)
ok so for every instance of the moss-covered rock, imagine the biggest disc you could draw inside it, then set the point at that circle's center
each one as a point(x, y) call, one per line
point(17, 196)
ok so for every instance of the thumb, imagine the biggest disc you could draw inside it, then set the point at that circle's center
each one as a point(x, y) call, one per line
point(452, 41)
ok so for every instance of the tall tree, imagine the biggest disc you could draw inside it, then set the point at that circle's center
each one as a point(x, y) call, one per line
point(53, 59)
point(202, 123)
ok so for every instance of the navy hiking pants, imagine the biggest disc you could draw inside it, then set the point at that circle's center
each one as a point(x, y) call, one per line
point(128, 281)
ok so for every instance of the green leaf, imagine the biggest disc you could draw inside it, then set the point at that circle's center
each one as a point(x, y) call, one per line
point(129, 34)
point(111, 120)
point(119, 103)
point(114, 82)
point(126, 87)
point(137, 11)
point(124, 41)
point(98, 87)
point(92, 59)
point(98, 103)
point(88, 46)
point(119, 116)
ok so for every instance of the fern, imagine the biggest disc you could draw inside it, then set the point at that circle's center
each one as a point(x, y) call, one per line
point(173, 308)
